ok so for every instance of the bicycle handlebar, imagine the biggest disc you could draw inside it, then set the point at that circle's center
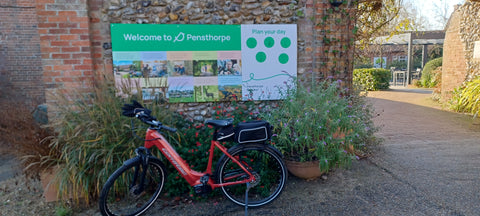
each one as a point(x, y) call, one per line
point(138, 111)
point(173, 130)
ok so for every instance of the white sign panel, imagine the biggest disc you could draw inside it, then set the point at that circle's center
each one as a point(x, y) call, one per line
point(269, 54)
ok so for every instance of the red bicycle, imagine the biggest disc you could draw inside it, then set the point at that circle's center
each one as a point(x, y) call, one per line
point(251, 173)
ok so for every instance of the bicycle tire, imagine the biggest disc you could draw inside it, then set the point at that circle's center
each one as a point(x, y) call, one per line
point(264, 161)
point(119, 195)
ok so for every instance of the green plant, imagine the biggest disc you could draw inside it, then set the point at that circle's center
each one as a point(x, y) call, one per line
point(93, 139)
point(371, 79)
point(467, 99)
point(430, 76)
point(321, 123)
point(62, 210)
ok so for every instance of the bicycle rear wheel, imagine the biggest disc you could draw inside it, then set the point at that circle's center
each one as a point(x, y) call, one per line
point(123, 193)
point(264, 162)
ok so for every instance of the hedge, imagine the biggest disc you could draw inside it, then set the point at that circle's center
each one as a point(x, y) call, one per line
point(430, 79)
point(371, 79)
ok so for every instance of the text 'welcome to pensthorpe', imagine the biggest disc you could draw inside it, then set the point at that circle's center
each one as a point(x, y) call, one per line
point(179, 38)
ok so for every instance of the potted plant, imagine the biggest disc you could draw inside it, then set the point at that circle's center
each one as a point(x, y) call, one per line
point(320, 126)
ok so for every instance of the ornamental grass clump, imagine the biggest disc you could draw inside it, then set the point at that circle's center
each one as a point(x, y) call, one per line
point(467, 98)
point(322, 123)
point(93, 139)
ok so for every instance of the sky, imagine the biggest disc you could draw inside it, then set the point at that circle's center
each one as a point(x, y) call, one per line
point(427, 9)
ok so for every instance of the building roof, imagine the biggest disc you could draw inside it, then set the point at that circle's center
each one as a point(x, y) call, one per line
point(418, 38)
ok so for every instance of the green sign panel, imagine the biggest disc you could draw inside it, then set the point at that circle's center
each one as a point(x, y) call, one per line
point(152, 37)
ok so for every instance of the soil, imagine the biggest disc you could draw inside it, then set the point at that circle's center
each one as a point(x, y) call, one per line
point(18, 195)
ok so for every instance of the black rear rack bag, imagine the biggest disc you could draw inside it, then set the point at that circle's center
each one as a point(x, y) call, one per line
point(253, 131)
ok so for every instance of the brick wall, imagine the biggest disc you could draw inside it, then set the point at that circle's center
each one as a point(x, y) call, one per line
point(65, 46)
point(20, 61)
point(454, 62)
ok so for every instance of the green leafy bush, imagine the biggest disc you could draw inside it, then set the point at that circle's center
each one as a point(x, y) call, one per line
point(321, 123)
point(430, 76)
point(371, 79)
point(467, 98)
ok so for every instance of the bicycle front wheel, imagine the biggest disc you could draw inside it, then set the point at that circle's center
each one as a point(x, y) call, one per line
point(132, 189)
point(264, 162)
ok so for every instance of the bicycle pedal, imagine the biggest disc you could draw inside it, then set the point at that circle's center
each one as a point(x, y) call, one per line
point(202, 189)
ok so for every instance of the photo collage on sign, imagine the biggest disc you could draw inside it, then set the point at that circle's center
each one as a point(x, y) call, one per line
point(182, 76)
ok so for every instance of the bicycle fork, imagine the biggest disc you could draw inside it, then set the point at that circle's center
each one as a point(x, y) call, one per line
point(144, 155)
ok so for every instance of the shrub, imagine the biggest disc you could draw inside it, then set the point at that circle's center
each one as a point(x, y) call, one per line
point(430, 76)
point(371, 79)
point(309, 123)
point(467, 99)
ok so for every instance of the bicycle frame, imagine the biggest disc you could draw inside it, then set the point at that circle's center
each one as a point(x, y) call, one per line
point(154, 138)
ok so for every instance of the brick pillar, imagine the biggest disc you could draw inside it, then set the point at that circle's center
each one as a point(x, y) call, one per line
point(333, 40)
point(454, 62)
point(65, 45)
point(100, 34)
point(306, 44)
point(326, 42)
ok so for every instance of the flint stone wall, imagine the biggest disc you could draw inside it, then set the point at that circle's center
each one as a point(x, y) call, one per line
point(303, 13)
point(462, 31)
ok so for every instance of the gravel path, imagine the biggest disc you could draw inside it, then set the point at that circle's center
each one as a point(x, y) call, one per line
point(428, 165)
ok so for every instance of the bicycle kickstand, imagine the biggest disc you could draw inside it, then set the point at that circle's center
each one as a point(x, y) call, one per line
point(246, 197)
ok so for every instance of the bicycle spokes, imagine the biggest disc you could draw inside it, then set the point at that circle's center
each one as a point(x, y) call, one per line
point(268, 171)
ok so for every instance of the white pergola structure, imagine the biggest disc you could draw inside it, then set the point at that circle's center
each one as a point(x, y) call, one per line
point(423, 38)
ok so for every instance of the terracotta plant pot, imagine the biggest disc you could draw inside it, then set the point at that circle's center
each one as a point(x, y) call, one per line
point(50, 190)
point(48, 178)
point(306, 170)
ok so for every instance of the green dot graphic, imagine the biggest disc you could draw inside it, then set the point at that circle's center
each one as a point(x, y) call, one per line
point(261, 57)
point(251, 43)
point(269, 42)
point(283, 58)
point(285, 42)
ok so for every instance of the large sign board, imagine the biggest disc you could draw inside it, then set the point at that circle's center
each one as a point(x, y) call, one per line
point(200, 63)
